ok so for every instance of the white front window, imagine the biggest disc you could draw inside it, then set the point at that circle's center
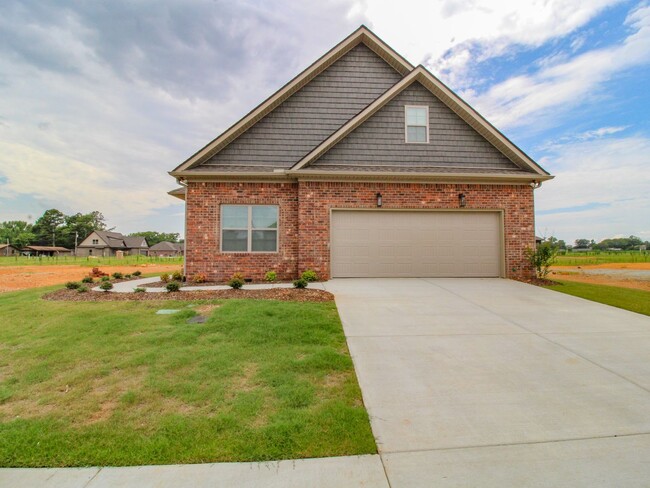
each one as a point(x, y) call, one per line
point(417, 123)
point(249, 228)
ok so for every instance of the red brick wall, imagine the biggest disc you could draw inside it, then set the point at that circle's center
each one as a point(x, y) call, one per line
point(304, 228)
point(203, 214)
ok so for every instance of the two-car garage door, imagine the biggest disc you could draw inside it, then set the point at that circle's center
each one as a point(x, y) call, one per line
point(386, 243)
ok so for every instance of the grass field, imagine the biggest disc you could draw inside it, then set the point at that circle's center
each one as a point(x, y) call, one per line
point(86, 261)
point(589, 258)
point(629, 299)
point(115, 384)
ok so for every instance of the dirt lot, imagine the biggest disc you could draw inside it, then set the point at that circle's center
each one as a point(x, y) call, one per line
point(23, 277)
point(589, 274)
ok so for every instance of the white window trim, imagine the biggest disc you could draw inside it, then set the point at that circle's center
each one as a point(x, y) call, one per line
point(249, 229)
point(406, 126)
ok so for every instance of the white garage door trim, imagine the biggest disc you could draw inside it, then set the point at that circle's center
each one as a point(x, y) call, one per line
point(341, 269)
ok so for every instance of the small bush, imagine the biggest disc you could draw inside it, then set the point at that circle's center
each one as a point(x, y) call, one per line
point(542, 258)
point(104, 278)
point(87, 279)
point(139, 290)
point(177, 276)
point(236, 282)
point(72, 285)
point(199, 278)
point(127, 276)
point(271, 276)
point(173, 286)
point(82, 289)
point(117, 275)
point(137, 273)
point(164, 277)
point(309, 275)
point(106, 285)
point(301, 283)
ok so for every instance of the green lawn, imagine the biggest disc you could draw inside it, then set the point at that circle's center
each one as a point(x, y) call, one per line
point(115, 384)
point(627, 298)
point(86, 261)
point(588, 258)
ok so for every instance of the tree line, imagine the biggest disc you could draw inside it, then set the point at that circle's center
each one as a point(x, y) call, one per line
point(54, 228)
point(631, 243)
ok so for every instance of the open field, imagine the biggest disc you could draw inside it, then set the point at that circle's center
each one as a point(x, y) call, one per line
point(623, 275)
point(628, 299)
point(591, 258)
point(114, 383)
point(87, 261)
point(24, 277)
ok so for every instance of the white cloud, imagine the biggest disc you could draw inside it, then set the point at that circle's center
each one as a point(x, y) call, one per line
point(610, 173)
point(447, 35)
point(524, 99)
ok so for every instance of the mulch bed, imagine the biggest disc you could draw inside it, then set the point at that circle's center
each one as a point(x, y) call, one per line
point(537, 281)
point(282, 294)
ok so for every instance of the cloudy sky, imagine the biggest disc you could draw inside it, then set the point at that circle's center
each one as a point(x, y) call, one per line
point(98, 100)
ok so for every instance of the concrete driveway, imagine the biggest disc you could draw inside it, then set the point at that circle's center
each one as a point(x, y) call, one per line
point(488, 382)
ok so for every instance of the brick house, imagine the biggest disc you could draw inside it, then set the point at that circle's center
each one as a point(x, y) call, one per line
point(361, 166)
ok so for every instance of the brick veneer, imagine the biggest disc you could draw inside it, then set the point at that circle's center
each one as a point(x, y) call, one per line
point(305, 218)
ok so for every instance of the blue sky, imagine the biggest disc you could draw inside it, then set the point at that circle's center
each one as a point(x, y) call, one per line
point(99, 100)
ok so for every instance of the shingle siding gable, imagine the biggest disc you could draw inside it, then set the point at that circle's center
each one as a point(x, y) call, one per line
point(379, 141)
point(312, 114)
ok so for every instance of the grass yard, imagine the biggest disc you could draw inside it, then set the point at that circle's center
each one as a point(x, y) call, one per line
point(87, 261)
point(626, 298)
point(115, 384)
point(592, 258)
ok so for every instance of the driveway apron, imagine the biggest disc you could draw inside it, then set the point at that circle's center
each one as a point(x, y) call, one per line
point(490, 382)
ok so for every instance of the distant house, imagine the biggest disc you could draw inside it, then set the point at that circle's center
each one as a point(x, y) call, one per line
point(104, 244)
point(7, 250)
point(46, 251)
point(167, 249)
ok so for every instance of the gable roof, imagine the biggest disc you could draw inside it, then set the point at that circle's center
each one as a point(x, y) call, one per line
point(167, 246)
point(115, 240)
point(200, 166)
point(361, 35)
point(449, 98)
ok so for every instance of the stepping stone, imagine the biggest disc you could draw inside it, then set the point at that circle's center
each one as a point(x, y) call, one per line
point(166, 311)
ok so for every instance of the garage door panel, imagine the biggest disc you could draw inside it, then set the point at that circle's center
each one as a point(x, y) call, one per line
point(415, 244)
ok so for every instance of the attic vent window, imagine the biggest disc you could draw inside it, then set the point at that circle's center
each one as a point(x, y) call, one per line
point(417, 123)
point(95, 241)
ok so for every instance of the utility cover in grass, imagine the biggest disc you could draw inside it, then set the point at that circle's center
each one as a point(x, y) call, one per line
point(166, 311)
point(197, 319)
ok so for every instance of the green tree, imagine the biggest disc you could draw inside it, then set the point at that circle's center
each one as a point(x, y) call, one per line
point(17, 232)
point(583, 242)
point(48, 226)
point(153, 237)
point(81, 225)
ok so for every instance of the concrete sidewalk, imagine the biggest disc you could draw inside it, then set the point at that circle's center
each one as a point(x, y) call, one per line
point(338, 472)
point(495, 383)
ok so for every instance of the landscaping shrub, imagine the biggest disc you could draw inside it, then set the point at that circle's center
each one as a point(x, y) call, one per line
point(309, 275)
point(199, 278)
point(271, 276)
point(301, 283)
point(82, 289)
point(237, 281)
point(177, 276)
point(173, 286)
point(72, 285)
point(104, 278)
point(139, 290)
point(106, 285)
point(117, 275)
point(137, 273)
point(164, 277)
point(87, 279)
point(127, 276)
point(542, 258)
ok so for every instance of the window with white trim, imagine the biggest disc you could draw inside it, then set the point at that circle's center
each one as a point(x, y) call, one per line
point(417, 123)
point(249, 228)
